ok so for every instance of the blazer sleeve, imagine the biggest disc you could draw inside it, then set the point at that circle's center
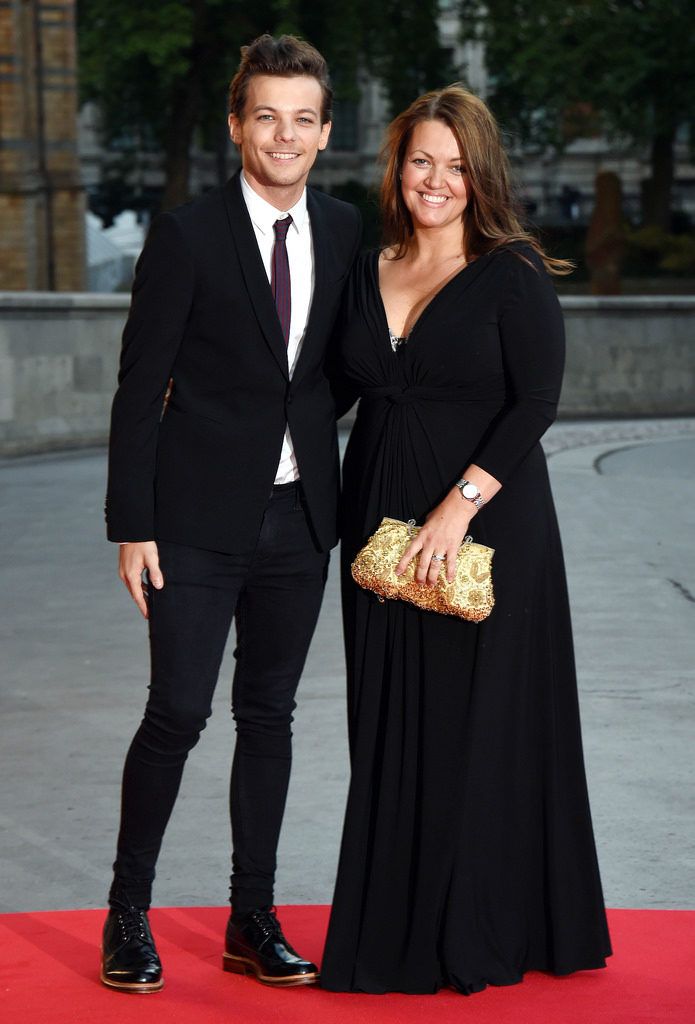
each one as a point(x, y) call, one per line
point(161, 301)
point(532, 337)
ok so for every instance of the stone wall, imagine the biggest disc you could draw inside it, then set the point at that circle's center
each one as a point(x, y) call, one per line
point(58, 364)
point(626, 357)
point(629, 356)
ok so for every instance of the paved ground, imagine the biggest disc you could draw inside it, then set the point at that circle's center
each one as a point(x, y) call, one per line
point(73, 656)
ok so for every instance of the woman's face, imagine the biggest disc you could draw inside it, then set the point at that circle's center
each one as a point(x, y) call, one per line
point(434, 182)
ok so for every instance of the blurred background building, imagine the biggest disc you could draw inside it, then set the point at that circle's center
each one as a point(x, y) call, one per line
point(580, 89)
point(42, 199)
point(557, 184)
point(111, 110)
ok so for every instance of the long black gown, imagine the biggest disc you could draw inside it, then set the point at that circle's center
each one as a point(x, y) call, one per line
point(468, 855)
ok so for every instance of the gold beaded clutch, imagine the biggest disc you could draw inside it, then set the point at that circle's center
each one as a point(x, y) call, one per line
point(469, 596)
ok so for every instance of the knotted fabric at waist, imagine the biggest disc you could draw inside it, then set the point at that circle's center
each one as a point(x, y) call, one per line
point(406, 394)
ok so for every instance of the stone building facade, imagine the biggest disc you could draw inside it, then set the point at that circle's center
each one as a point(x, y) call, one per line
point(42, 200)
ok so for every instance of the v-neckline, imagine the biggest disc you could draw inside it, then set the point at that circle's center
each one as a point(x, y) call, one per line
point(425, 309)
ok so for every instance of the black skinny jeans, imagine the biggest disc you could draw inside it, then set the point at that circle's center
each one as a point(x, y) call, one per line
point(274, 593)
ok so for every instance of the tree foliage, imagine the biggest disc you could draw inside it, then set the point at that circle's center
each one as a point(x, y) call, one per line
point(564, 70)
point(159, 73)
point(403, 49)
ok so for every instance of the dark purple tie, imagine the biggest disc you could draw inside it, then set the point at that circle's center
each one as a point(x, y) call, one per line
point(280, 275)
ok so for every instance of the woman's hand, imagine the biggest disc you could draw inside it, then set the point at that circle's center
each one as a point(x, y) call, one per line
point(442, 534)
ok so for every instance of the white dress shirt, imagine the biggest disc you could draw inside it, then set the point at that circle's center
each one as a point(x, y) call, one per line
point(300, 253)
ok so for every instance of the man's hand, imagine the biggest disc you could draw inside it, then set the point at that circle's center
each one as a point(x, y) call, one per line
point(133, 558)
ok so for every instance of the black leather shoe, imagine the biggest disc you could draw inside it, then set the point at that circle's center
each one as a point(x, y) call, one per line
point(255, 945)
point(129, 959)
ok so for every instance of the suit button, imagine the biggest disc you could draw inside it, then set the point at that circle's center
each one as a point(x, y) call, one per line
point(288, 399)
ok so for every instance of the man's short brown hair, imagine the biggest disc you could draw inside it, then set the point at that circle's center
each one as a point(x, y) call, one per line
point(288, 56)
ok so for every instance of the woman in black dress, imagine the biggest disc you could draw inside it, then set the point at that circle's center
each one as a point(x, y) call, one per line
point(468, 856)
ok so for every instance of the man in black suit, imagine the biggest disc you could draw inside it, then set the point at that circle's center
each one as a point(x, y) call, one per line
point(223, 485)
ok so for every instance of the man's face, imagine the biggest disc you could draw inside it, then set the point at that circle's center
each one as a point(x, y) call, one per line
point(280, 134)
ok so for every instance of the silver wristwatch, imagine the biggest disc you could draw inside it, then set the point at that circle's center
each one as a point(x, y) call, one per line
point(470, 492)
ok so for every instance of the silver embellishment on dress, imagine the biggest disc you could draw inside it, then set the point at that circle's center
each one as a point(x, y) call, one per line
point(396, 342)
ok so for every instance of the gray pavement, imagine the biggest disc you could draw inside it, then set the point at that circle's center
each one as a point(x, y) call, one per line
point(73, 664)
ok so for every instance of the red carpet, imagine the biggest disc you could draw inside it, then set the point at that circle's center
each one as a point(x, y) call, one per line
point(49, 973)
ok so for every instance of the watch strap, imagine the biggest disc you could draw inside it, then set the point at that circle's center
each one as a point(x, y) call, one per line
point(478, 500)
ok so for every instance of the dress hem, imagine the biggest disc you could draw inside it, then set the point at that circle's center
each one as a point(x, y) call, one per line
point(472, 987)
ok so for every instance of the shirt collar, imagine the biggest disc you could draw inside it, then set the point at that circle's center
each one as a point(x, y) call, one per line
point(264, 215)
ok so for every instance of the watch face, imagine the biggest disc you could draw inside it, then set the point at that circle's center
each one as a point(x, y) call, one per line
point(470, 491)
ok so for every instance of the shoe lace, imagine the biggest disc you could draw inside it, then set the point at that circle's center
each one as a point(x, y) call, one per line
point(268, 923)
point(133, 924)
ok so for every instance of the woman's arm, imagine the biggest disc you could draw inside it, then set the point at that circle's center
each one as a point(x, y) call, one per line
point(533, 349)
point(532, 338)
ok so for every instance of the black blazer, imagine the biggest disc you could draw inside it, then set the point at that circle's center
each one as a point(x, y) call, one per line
point(202, 312)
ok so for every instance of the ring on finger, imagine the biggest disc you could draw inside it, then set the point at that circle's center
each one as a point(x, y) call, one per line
point(437, 558)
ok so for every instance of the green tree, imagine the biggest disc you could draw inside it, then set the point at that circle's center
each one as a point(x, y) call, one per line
point(159, 73)
point(563, 70)
point(403, 49)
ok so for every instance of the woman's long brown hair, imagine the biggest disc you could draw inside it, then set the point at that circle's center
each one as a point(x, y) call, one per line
point(491, 217)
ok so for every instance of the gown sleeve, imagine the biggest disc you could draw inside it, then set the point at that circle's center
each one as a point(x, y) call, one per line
point(532, 340)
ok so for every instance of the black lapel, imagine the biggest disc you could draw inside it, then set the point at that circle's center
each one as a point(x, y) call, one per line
point(323, 257)
point(255, 277)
